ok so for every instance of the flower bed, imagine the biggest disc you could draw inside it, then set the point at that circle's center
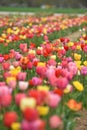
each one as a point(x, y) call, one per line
point(42, 87)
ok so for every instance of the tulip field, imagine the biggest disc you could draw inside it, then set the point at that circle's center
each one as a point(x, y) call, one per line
point(43, 73)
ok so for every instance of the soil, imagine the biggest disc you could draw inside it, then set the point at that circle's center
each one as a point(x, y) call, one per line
point(82, 121)
point(74, 36)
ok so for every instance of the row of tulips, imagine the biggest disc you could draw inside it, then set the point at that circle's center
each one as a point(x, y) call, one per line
point(16, 30)
point(43, 87)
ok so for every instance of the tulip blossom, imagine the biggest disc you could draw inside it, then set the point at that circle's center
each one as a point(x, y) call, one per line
point(27, 102)
point(6, 65)
point(19, 97)
point(23, 85)
point(36, 81)
point(74, 105)
point(55, 121)
point(78, 86)
point(43, 110)
point(30, 114)
point(21, 76)
point(84, 70)
point(10, 118)
point(16, 126)
point(5, 100)
point(53, 100)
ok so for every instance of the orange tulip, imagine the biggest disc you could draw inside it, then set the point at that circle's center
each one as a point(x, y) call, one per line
point(74, 105)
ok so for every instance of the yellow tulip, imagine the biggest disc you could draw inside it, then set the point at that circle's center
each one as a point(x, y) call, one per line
point(70, 44)
point(78, 47)
point(15, 126)
point(68, 89)
point(53, 57)
point(43, 110)
point(78, 85)
point(43, 88)
point(85, 63)
point(27, 102)
point(78, 64)
point(41, 64)
point(77, 56)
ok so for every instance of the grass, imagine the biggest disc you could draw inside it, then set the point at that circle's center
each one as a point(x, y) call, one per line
point(37, 10)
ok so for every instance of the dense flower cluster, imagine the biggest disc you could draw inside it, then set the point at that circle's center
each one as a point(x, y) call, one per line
point(40, 85)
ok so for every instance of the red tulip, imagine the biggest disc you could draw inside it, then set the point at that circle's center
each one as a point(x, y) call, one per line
point(9, 118)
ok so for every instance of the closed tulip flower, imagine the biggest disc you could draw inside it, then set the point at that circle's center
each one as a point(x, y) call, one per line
point(30, 114)
point(10, 118)
point(23, 85)
point(55, 121)
point(6, 100)
point(43, 110)
point(21, 76)
point(27, 102)
point(53, 100)
point(19, 97)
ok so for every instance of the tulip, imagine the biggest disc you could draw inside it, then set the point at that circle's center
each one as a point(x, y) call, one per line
point(74, 105)
point(78, 86)
point(25, 125)
point(55, 121)
point(30, 65)
point(19, 97)
point(23, 85)
point(15, 126)
point(12, 84)
point(53, 100)
point(27, 102)
point(43, 110)
point(36, 81)
point(84, 70)
point(1, 59)
point(10, 118)
point(21, 76)
point(39, 96)
point(4, 90)
point(5, 100)
point(30, 114)
point(62, 83)
point(43, 88)
point(6, 65)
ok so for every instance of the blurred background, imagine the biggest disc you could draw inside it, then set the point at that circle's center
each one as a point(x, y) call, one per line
point(45, 3)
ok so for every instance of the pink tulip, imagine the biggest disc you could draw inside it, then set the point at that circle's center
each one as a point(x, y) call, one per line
point(36, 81)
point(53, 100)
point(51, 62)
point(12, 84)
point(51, 76)
point(40, 70)
point(55, 121)
point(25, 125)
point(18, 97)
point(4, 90)
point(18, 56)
point(72, 68)
point(6, 74)
point(5, 100)
point(23, 47)
point(62, 82)
point(16, 63)
point(85, 48)
point(21, 76)
point(1, 59)
point(2, 83)
point(30, 65)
